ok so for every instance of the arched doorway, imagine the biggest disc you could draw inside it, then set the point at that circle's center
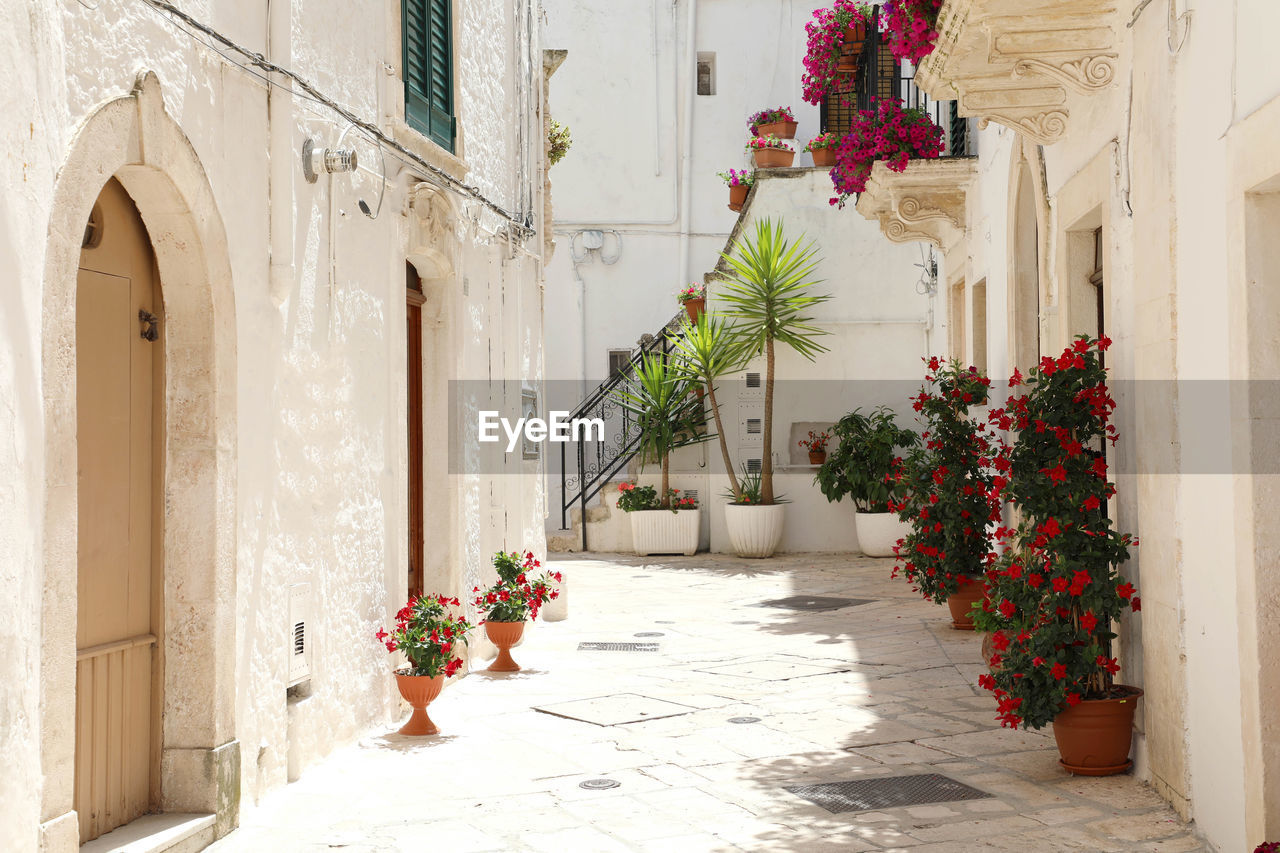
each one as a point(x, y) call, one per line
point(132, 163)
point(119, 431)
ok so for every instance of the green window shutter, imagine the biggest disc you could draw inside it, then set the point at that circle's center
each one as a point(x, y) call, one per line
point(428, 69)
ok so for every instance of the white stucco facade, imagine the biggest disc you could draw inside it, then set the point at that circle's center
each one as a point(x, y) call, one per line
point(285, 347)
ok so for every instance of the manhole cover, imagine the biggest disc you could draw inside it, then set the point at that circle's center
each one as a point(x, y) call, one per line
point(616, 710)
point(617, 647)
point(599, 784)
point(887, 793)
point(743, 720)
point(649, 634)
point(774, 669)
point(814, 602)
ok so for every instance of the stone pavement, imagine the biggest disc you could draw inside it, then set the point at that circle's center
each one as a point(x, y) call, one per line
point(877, 689)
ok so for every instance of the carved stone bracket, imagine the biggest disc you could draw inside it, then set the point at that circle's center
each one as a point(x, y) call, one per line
point(926, 203)
point(1022, 62)
point(433, 233)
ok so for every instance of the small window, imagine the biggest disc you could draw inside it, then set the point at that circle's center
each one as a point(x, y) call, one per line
point(754, 466)
point(618, 361)
point(706, 73)
point(755, 426)
point(753, 380)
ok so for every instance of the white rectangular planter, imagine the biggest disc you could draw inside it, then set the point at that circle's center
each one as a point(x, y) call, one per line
point(661, 531)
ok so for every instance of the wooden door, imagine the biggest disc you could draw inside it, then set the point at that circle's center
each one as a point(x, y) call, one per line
point(117, 619)
point(414, 299)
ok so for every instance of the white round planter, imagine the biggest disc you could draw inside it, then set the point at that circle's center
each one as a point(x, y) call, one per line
point(878, 532)
point(754, 531)
point(661, 531)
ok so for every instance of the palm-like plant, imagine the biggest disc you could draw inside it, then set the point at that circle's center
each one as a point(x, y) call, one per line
point(708, 351)
point(659, 395)
point(767, 294)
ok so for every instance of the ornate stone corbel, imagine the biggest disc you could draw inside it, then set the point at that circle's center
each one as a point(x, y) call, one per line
point(925, 203)
point(433, 238)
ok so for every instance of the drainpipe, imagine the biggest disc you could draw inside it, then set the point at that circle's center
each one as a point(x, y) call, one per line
point(282, 156)
point(686, 158)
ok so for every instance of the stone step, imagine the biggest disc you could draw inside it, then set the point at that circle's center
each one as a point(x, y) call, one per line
point(157, 833)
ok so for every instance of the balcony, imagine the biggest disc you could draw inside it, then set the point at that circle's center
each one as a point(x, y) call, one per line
point(927, 201)
point(1022, 63)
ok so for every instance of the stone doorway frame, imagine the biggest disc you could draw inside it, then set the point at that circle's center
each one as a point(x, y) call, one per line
point(133, 139)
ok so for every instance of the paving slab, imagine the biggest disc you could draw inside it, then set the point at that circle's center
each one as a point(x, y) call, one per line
point(860, 692)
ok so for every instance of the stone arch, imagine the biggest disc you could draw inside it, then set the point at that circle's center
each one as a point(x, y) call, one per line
point(133, 139)
point(1028, 254)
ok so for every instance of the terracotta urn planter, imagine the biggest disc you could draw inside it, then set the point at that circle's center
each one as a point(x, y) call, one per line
point(694, 307)
point(419, 691)
point(774, 158)
point(825, 157)
point(961, 604)
point(780, 129)
point(504, 635)
point(817, 457)
point(1094, 737)
point(738, 197)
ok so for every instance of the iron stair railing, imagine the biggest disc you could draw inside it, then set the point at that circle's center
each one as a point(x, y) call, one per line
point(598, 461)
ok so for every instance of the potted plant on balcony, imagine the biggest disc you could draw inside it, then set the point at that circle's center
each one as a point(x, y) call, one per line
point(833, 34)
point(951, 495)
point(890, 132)
point(667, 416)
point(694, 299)
point(739, 182)
point(909, 27)
point(816, 444)
point(771, 152)
point(823, 149)
point(426, 633)
point(864, 467)
point(773, 122)
point(1055, 594)
point(768, 294)
point(515, 599)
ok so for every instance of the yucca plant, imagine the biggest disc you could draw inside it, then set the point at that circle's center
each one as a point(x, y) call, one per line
point(709, 351)
point(659, 395)
point(767, 294)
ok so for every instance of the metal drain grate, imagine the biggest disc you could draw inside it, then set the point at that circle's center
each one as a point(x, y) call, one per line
point(599, 784)
point(744, 720)
point(617, 647)
point(814, 602)
point(887, 793)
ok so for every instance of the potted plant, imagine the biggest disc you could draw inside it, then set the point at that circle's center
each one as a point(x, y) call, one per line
point(816, 444)
point(1055, 594)
point(823, 149)
point(950, 494)
point(890, 132)
point(515, 599)
point(739, 182)
point(667, 416)
point(833, 34)
point(864, 467)
point(777, 122)
point(767, 294)
point(910, 28)
point(426, 633)
point(694, 299)
point(771, 152)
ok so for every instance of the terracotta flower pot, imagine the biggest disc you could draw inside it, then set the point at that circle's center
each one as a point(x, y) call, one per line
point(738, 196)
point(780, 129)
point(772, 158)
point(824, 157)
point(1094, 737)
point(419, 691)
point(856, 32)
point(693, 307)
point(504, 635)
point(961, 603)
point(847, 64)
point(817, 457)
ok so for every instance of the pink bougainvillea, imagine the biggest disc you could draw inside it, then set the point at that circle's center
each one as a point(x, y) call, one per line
point(889, 132)
point(827, 33)
point(909, 27)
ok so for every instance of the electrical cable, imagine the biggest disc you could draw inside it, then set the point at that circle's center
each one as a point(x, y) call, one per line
point(310, 92)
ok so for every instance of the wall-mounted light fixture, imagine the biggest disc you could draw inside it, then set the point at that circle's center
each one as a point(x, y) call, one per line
point(315, 160)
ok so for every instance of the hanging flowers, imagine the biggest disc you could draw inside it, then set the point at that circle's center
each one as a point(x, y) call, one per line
point(909, 27)
point(889, 132)
point(828, 32)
